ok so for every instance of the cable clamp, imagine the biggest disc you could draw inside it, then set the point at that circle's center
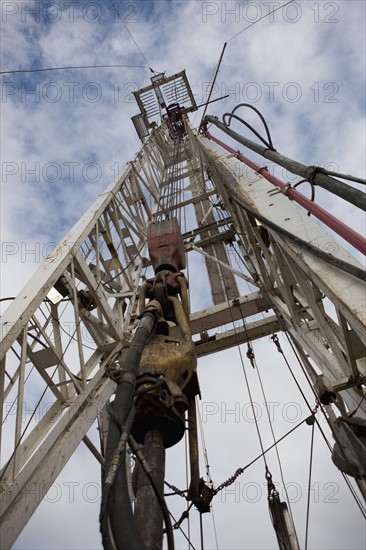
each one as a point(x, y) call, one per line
point(262, 169)
point(236, 155)
point(311, 419)
point(128, 377)
point(283, 190)
point(276, 341)
point(314, 172)
point(250, 355)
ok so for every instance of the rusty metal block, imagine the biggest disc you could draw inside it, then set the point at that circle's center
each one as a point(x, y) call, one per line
point(166, 247)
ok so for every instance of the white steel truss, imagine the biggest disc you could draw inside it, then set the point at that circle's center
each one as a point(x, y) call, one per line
point(66, 350)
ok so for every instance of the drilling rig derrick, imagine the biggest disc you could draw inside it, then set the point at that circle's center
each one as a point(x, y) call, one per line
point(120, 275)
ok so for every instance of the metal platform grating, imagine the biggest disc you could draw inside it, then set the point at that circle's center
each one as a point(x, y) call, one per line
point(163, 92)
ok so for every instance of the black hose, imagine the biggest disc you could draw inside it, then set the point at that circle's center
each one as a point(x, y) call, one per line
point(124, 393)
point(312, 190)
point(257, 134)
point(116, 510)
point(269, 143)
point(116, 506)
point(313, 174)
point(344, 176)
point(114, 457)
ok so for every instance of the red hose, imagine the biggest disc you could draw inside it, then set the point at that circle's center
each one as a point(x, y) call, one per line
point(348, 234)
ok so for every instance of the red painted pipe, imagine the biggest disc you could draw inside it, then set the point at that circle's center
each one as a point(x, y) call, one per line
point(355, 239)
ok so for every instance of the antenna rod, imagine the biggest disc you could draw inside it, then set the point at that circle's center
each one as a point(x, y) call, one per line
point(213, 83)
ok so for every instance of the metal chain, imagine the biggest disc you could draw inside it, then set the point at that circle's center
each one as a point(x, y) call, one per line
point(239, 471)
point(176, 490)
point(229, 481)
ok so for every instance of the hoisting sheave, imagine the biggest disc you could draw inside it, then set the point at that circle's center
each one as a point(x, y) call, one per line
point(167, 377)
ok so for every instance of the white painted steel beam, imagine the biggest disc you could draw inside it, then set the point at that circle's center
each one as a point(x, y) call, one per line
point(102, 263)
point(237, 336)
point(294, 279)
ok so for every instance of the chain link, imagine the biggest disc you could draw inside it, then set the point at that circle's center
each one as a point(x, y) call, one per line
point(176, 490)
point(229, 481)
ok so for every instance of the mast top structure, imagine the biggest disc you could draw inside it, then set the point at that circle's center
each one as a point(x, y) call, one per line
point(300, 281)
point(166, 99)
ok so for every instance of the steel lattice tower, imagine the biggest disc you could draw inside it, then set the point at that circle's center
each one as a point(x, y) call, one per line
point(101, 265)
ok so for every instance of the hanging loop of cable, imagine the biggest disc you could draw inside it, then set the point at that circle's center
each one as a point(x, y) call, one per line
point(312, 190)
point(317, 175)
point(250, 394)
point(231, 115)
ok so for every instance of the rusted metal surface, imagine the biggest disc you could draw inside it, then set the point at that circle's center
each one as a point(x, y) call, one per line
point(193, 451)
point(169, 363)
point(148, 514)
point(166, 247)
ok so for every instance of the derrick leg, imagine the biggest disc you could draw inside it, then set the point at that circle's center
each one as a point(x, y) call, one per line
point(148, 515)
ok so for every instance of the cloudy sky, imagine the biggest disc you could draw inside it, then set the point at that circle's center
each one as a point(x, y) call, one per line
point(66, 134)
